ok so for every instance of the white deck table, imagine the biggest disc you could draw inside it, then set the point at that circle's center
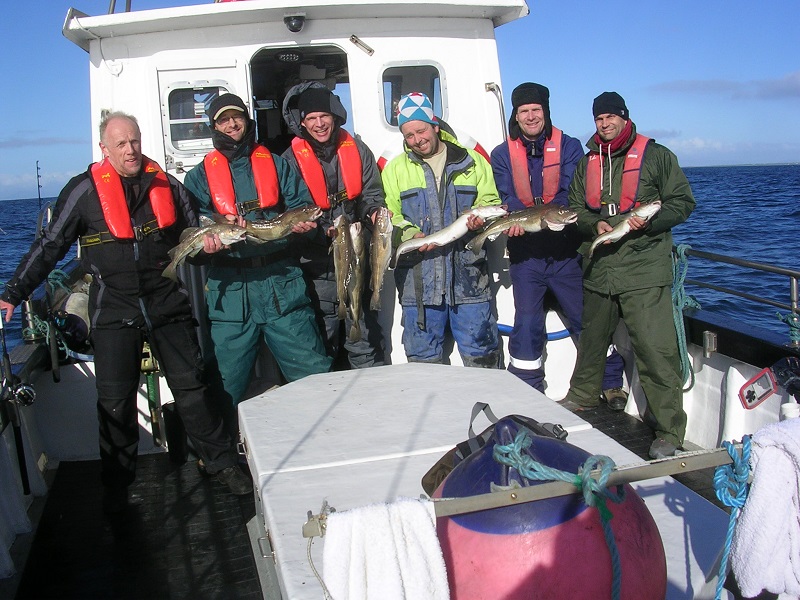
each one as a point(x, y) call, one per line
point(361, 437)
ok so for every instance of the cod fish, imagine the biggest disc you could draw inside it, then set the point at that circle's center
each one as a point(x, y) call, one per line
point(268, 230)
point(355, 287)
point(534, 219)
point(380, 254)
point(342, 251)
point(621, 229)
point(192, 241)
point(456, 230)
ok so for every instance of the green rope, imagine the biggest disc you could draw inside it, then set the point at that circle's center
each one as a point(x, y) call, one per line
point(680, 300)
point(793, 321)
point(43, 328)
point(56, 279)
point(595, 491)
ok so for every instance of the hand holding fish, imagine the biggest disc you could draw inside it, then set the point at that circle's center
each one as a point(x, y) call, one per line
point(636, 219)
point(212, 242)
point(304, 226)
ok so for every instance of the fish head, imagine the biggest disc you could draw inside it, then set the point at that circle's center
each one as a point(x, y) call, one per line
point(230, 234)
point(489, 212)
point(646, 211)
point(311, 212)
point(559, 217)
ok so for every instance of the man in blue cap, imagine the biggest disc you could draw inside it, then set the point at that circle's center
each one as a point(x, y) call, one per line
point(427, 188)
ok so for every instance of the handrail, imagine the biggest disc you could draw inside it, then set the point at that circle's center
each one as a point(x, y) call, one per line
point(498, 94)
point(792, 274)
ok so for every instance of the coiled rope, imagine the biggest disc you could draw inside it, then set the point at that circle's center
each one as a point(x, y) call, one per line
point(793, 321)
point(730, 486)
point(680, 300)
point(595, 492)
point(57, 279)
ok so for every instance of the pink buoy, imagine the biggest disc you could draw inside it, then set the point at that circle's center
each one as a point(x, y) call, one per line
point(547, 549)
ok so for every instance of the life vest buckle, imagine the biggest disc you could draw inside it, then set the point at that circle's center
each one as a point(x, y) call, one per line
point(609, 210)
point(336, 199)
point(538, 200)
point(138, 233)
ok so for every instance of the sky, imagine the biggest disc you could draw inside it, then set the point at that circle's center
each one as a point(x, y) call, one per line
point(717, 82)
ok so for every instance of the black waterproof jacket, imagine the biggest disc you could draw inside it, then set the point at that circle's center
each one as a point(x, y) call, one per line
point(127, 287)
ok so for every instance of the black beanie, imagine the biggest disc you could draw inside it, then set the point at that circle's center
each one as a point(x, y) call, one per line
point(530, 93)
point(610, 103)
point(313, 100)
point(222, 103)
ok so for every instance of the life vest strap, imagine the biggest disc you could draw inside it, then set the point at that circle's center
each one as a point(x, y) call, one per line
point(103, 237)
point(242, 208)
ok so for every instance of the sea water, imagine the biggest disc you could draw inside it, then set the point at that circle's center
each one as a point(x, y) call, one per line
point(747, 212)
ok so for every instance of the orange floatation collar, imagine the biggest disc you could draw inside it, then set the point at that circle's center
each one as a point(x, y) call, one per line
point(220, 181)
point(313, 175)
point(551, 169)
point(108, 185)
point(630, 176)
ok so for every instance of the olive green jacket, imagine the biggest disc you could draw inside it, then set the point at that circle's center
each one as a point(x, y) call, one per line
point(643, 258)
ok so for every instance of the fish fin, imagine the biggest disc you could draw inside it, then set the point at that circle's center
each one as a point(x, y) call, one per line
point(170, 272)
point(253, 238)
point(216, 218)
point(205, 221)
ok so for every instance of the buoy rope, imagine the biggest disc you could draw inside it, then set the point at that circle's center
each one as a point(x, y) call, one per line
point(595, 491)
point(730, 486)
point(43, 328)
point(680, 300)
point(56, 278)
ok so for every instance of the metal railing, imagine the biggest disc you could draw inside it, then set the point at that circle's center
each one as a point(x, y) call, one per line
point(792, 274)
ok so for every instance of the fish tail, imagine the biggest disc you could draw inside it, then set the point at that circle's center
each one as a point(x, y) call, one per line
point(476, 244)
point(375, 301)
point(170, 272)
point(342, 314)
point(355, 332)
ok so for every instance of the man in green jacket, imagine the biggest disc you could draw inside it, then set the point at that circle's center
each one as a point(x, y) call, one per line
point(630, 278)
point(427, 188)
point(254, 290)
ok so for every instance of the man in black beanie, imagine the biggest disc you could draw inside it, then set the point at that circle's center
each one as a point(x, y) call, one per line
point(534, 167)
point(254, 291)
point(630, 278)
point(343, 177)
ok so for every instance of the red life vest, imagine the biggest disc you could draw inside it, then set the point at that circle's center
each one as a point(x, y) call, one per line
point(551, 169)
point(108, 184)
point(220, 181)
point(311, 169)
point(630, 176)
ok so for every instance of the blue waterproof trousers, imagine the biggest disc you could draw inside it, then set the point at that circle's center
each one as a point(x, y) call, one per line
point(473, 326)
point(531, 279)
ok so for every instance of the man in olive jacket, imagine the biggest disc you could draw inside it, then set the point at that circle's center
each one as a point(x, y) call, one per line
point(630, 278)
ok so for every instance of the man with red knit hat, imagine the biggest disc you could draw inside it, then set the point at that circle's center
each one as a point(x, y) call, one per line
point(534, 167)
point(630, 278)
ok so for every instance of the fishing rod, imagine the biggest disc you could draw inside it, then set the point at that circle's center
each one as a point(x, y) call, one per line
point(14, 394)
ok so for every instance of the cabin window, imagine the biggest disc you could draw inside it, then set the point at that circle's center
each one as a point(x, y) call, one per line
point(188, 125)
point(401, 80)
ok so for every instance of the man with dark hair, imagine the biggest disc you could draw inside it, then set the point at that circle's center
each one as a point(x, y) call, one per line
point(630, 278)
point(534, 167)
point(127, 214)
point(340, 171)
point(254, 290)
point(427, 188)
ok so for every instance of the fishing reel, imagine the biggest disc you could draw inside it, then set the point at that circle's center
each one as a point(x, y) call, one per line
point(21, 394)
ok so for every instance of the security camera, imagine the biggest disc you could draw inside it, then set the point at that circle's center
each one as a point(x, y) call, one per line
point(294, 23)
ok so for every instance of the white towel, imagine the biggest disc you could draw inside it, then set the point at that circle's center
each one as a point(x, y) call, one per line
point(385, 552)
point(765, 554)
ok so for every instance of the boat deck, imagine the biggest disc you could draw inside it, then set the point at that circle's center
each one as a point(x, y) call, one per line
point(183, 537)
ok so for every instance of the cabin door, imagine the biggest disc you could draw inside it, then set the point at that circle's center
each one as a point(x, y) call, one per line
point(185, 93)
point(275, 70)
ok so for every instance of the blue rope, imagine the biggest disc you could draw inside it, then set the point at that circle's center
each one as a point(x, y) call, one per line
point(595, 492)
point(680, 300)
point(730, 486)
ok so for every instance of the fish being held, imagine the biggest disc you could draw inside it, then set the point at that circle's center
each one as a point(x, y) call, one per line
point(457, 229)
point(355, 287)
point(534, 219)
point(380, 254)
point(192, 241)
point(342, 249)
point(621, 229)
point(267, 230)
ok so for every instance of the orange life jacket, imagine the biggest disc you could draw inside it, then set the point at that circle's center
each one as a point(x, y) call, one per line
point(220, 181)
point(551, 169)
point(108, 184)
point(630, 176)
point(313, 175)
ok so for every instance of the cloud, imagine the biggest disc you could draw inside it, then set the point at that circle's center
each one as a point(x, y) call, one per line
point(787, 86)
point(661, 134)
point(20, 142)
